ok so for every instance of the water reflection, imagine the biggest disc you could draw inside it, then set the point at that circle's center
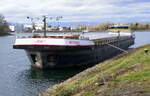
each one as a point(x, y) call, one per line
point(51, 74)
point(34, 81)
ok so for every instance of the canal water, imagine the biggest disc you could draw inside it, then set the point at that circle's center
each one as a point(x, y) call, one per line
point(17, 78)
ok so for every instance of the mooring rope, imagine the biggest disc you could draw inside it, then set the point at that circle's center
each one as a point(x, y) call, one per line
point(117, 48)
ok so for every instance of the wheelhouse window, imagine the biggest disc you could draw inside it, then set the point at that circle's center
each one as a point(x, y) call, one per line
point(119, 27)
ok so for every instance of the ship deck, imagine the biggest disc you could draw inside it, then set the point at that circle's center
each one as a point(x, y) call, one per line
point(67, 40)
point(77, 35)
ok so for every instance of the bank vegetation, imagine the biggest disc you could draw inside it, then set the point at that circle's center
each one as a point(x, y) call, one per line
point(124, 75)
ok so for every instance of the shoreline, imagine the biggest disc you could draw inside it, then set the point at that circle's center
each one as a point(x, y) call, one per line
point(110, 77)
point(5, 34)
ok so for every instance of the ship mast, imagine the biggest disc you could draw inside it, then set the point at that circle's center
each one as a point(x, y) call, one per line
point(44, 20)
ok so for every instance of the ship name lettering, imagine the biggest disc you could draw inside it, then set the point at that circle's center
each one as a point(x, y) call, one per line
point(39, 41)
point(74, 42)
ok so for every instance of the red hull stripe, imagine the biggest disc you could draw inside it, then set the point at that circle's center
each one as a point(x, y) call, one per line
point(48, 45)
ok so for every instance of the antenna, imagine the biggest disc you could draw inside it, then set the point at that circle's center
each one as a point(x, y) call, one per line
point(31, 19)
point(44, 19)
point(58, 18)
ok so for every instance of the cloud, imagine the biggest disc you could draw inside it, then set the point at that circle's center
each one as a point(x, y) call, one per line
point(78, 10)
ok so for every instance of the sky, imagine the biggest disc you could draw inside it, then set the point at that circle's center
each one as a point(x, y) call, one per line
point(100, 11)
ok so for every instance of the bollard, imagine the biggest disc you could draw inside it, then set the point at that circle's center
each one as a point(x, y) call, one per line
point(146, 51)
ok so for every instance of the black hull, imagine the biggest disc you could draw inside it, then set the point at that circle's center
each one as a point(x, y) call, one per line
point(61, 56)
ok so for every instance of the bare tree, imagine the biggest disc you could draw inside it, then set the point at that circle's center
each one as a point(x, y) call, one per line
point(4, 28)
point(2, 19)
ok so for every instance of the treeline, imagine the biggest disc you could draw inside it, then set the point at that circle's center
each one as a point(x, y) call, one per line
point(105, 26)
point(4, 28)
point(140, 26)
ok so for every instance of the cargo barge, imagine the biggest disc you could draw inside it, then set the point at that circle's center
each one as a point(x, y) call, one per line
point(57, 51)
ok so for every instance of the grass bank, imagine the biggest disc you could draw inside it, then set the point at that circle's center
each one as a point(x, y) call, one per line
point(124, 75)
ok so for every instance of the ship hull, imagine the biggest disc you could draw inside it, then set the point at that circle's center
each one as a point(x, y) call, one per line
point(72, 56)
